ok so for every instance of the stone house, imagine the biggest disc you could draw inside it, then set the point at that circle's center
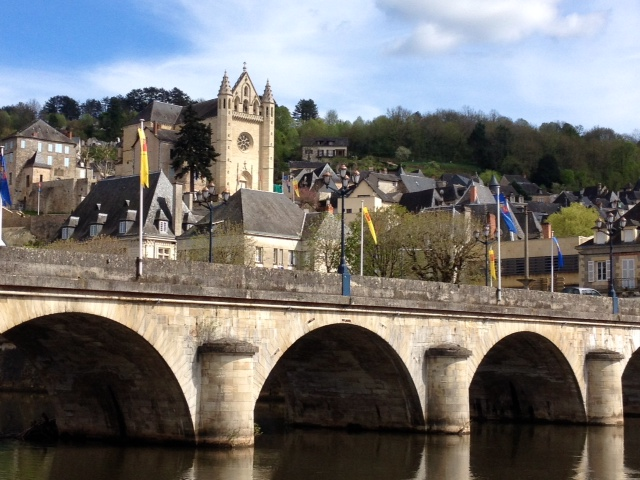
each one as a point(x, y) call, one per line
point(40, 154)
point(272, 227)
point(624, 243)
point(316, 148)
point(112, 209)
point(243, 128)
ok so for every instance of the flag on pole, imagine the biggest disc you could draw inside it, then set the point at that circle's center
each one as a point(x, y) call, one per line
point(4, 184)
point(144, 159)
point(492, 264)
point(560, 257)
point(506, 215)
point(295, 188)
point(367, 217)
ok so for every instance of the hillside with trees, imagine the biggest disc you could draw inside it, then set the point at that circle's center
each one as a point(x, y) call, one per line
point(556, 154)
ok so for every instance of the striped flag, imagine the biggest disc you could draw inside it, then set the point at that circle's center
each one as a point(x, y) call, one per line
point(492, 264)
point(144, 159)
point(560, 257)
point(367, 217)
point(295, 188)
point(4, 184)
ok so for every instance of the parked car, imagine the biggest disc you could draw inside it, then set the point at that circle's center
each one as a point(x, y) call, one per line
point(582, 291)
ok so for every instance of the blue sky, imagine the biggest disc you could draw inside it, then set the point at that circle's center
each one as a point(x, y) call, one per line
point(539, 60)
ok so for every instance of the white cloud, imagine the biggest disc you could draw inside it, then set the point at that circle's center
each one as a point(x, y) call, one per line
point(444, 25)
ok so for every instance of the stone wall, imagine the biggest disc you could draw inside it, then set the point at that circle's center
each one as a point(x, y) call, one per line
point(183, 277)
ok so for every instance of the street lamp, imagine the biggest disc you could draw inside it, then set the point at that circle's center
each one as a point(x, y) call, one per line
point(486, 243)
point(609, 229)
point(207, 198)
point(494, 186)
point(343, 269)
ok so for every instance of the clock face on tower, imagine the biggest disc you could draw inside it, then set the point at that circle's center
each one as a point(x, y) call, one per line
point(244, 141)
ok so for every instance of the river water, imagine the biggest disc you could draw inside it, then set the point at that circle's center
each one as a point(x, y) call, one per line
point(491, 452)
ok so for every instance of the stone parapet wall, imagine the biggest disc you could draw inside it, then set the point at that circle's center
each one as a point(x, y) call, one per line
point(116, 273)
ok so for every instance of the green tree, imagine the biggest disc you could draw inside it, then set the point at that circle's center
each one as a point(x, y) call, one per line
point(193, 152)
point(403, 154)
point(574, 220)
point(305, 110)
point(62, 104)
point(388, 258)
point(287, 141)
point(481, 148)
point(548, 171)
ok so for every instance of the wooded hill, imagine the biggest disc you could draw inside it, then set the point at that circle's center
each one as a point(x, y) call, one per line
point(556, 154)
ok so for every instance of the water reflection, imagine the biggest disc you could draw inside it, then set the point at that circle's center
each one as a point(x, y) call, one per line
point(491, 452)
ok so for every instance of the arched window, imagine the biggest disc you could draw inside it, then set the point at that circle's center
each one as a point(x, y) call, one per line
point(245, 106)
point(236, 103)
point(246, 91)
point(255, 107)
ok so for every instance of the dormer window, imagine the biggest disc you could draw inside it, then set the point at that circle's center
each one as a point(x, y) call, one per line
point(163, 226)
point(122, 227)
point(95, 229)
point(66, 233)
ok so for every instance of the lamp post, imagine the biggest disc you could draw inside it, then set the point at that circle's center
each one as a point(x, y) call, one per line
point(207, 198)
point(343, 269)
point(494, 186)
point(486, 244)
point(609, 229)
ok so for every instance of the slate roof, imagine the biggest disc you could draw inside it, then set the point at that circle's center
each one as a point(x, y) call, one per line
point(160, 112)
point(43, 131)
point(416, 201)
point(261, 213)
point(415, 182)
point(115, 199)
point(37, 160)
point(324, 141)
point(304, 164)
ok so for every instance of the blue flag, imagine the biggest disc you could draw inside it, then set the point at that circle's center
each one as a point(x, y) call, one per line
point(4, 184)
point(506, 215)
point(560, 258)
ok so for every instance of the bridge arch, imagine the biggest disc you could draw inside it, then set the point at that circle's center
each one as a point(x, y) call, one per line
point(341, 376)
point(524, 376)
point(631, 385)
point(102, 378)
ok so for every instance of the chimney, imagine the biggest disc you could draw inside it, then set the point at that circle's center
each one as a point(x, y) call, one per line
point(546, 230)
point(177, 209)
point(473, 194)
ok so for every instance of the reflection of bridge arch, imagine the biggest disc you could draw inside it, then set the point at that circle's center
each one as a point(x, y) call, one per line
point(103, 380)
point(526, 377)
point(344, 376)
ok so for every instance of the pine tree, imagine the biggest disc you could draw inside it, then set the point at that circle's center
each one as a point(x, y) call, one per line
point(193, 152)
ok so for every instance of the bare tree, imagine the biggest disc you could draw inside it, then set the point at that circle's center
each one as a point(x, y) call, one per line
point(230, 246)
point(441, 245)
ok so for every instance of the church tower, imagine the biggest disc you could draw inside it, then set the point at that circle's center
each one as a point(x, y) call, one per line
point(267, 139)
point(223, 135)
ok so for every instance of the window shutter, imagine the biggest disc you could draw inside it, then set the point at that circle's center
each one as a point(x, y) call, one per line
point(608, 270)
point(590, 272)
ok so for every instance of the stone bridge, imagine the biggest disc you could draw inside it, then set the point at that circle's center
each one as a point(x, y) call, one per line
point(199, 353)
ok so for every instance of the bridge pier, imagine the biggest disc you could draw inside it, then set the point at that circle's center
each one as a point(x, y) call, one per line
point(225, 400)
point(447, 389)
point(604, 387)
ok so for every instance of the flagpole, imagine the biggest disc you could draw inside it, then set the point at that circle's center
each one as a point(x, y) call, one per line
point(551, 261)
point(2, 244)
point(141, 211)
point(361, 236)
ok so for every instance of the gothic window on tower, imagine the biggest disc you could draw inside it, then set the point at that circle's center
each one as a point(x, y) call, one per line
point(244, 142)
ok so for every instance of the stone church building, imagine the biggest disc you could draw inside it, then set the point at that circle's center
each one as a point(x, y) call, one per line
point(242, 125)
